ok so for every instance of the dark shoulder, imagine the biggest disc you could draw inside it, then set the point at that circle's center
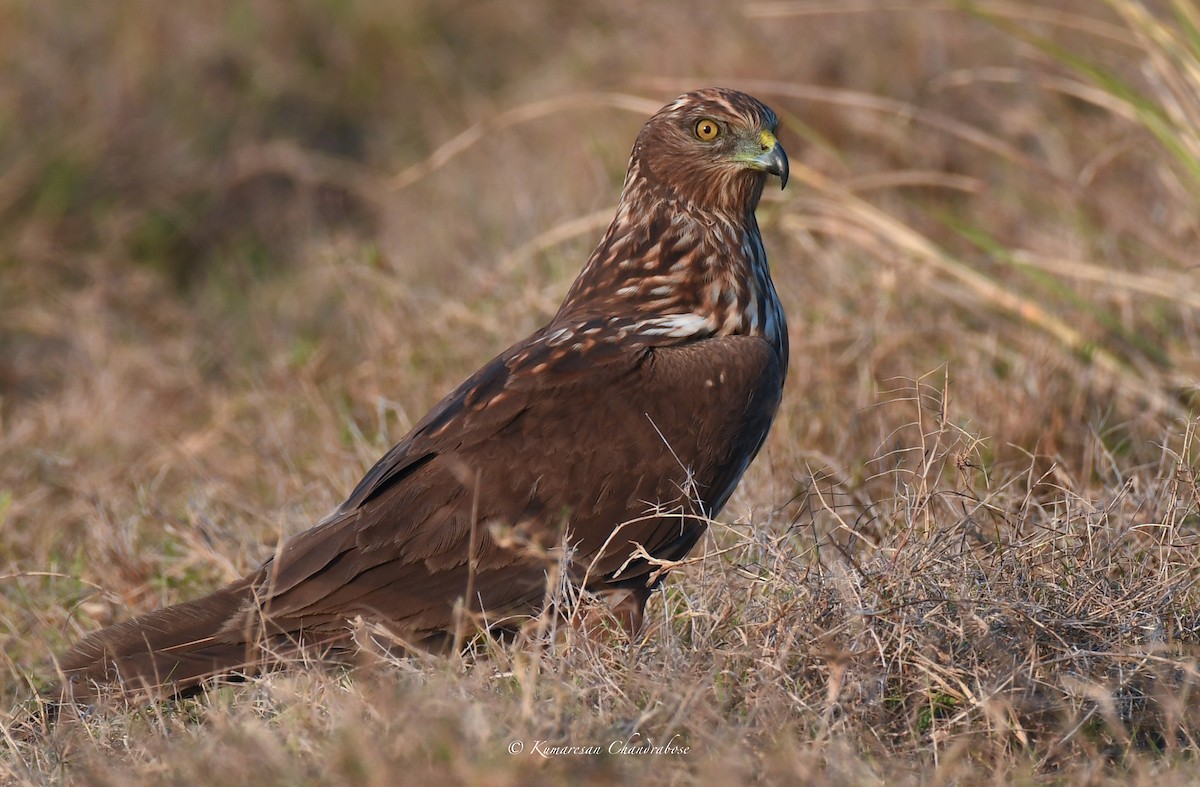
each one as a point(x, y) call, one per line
point(548, 365)
point(736, 356)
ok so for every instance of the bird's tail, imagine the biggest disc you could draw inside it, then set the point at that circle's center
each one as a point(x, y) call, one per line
point(168, 651)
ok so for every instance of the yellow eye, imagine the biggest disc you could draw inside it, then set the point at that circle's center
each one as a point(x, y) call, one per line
point(707, 130)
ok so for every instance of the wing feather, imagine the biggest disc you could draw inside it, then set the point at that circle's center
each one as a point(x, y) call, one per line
point(598, 428)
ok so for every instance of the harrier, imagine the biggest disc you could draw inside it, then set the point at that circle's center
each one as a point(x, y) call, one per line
point(606, 437)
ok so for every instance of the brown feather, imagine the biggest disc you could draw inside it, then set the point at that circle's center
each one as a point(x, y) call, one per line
point(180, 645)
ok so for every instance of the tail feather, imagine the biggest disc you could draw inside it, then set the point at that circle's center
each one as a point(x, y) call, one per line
point(172, 649)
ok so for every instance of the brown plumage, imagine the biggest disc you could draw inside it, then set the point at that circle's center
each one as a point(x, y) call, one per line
point(626, 421)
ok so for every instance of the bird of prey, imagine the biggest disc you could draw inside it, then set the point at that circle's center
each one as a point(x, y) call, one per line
point(605, 438)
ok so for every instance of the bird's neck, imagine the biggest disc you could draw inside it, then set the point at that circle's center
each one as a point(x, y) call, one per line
point(679, 273)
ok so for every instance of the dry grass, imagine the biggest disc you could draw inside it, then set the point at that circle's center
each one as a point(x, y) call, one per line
point(248, 245)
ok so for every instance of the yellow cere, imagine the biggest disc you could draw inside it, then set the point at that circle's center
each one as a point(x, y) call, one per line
point(767, 139)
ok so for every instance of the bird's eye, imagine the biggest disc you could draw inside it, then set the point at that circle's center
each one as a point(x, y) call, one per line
point(707, 130)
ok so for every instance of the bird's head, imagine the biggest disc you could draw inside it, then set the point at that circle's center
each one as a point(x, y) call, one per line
point(712, 148)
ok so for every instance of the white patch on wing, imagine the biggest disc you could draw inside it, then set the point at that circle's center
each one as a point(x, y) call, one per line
point(559, 337)
point(678, 326)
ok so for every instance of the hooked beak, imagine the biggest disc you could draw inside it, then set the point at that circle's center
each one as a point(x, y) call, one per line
point(773, 159)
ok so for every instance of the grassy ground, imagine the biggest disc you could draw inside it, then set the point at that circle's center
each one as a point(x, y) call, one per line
point(245, 246)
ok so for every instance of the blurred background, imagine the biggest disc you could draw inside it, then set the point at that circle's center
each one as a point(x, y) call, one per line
point(246, 244)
